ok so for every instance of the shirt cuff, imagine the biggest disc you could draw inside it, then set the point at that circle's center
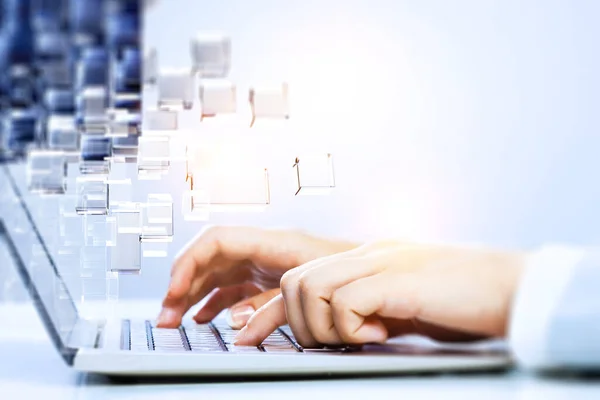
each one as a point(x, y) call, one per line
point(536, 301)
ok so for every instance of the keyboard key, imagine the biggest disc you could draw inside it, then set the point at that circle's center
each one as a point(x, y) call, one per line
point(279, 349)
point(243, 349)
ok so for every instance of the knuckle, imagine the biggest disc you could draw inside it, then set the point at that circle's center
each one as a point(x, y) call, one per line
point(339, 300)
point(307, 284)
point(288, 281)
point(214, 234)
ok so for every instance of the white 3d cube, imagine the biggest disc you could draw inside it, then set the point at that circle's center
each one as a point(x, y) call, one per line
point(211, 55)
point(243, 190)
point(93, 101)
point(153, 156)
point(125, 256)
point(157, 218)
point(62, 133)
point(46, 172)
point(159, 120)
point(314, 174)
point(92, 193)
point(175, 89)
point(269, 102)
point(217, 97)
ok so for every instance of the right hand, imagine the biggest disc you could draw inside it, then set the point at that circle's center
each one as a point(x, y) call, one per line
point(240, 267)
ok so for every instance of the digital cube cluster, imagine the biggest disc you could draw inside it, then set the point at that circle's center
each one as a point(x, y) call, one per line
point(72, 80)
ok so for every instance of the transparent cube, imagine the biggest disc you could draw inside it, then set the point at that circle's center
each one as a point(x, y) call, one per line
point(46, 172)
point(125, 148)
point(269, 102)
point(125, 255)
point(158, 120)
point(93, 261)
point(211, 55)
point(153, 156)
point(217, 97)
point(112, 286)
point(314, 174)
point(94, 284)
point(92, 196)
point(175, 89)
point(128, 216)
point(242, 190)
point(92, 101)
point(96, 152)
point(150, 67)
point(96, 230)
point(62, 133)
point(157, 219)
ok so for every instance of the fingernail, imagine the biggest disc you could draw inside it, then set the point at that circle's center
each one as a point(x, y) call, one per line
point(238, 316)
point(240, 335)
point(165, 316)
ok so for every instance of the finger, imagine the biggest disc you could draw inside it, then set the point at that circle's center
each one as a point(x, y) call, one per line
point(222, 298)
point(239, 314)
point(282, 250)
point(293, 307)
point(228, 246)
point(231, 243)
point(204, 285)
point(382, 295)
point(172, 313)
point(317, 285)
point(290, 289)
point(264, 322)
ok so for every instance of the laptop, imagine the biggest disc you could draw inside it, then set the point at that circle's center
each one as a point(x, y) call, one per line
point(135, 347)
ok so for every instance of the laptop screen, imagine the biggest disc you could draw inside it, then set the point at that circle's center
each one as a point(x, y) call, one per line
point(35, 264)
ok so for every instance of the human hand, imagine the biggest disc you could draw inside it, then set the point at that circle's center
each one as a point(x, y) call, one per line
point(382, 290)
point(240, 267)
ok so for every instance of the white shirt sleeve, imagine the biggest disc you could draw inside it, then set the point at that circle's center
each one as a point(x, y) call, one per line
point(555, 319)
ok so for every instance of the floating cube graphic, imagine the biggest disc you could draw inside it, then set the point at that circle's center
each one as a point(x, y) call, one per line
point(46, 172)
point(62, 133)
point(157, 218)
point(125, 255)
point(159, 120)
point(314, 174)
point(92, 195)
point(211, 55)
point(175, 89)
point(153, 156)
point(217, 97)
point(244, 190)
point(269, 102)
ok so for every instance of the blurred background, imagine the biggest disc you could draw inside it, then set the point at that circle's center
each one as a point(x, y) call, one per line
point(465, 121)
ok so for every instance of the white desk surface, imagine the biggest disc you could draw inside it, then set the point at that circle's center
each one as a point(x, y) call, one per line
point(30, 368)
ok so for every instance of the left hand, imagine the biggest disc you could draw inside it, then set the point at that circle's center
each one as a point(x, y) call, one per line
point(381, 290)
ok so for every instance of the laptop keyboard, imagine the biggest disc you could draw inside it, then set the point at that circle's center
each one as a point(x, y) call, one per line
point(216, 336)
